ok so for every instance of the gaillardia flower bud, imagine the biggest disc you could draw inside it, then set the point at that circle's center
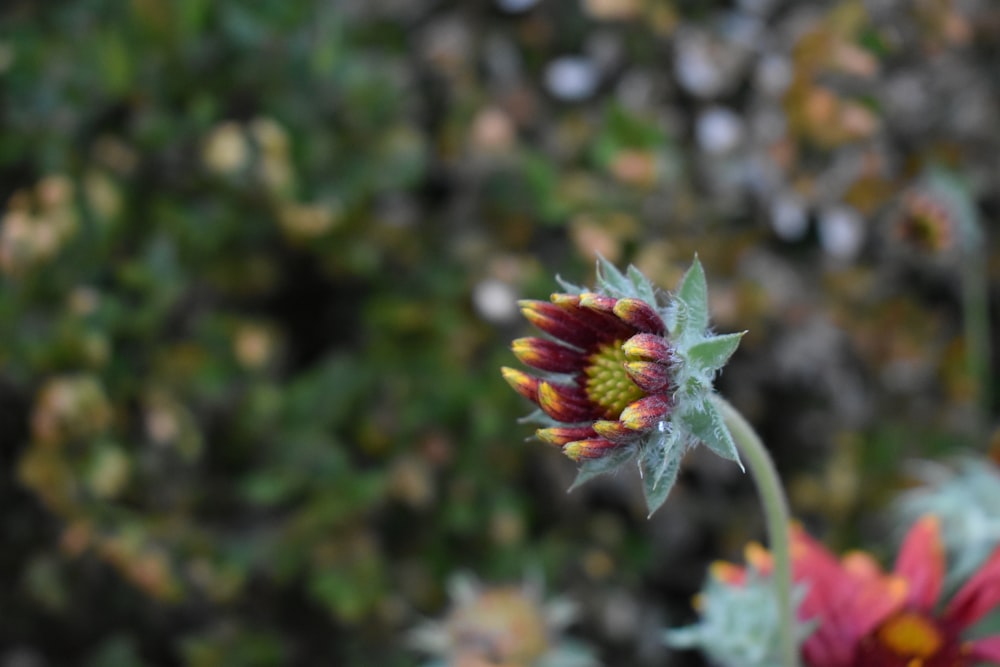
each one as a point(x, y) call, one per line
point(601, 385)
point(937, 217)
point(621, 376)
point(925, 222)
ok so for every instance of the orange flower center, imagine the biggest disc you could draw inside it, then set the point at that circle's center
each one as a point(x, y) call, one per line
point(608, 385)
point(911, 635)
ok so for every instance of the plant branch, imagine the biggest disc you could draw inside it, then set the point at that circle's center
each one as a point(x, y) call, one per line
point(975, 307)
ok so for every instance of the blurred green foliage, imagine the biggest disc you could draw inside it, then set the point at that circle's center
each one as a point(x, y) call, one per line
point(259, 263)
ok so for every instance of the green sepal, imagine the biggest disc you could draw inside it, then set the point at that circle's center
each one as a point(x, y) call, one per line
point(631, 284)
point(612, 281)
point(712, 353)
point(571, 288)
point(540, 418)
point(704, 422)
point(659, 465)
point(614, 460)
point(689, 315)
point(644, 289)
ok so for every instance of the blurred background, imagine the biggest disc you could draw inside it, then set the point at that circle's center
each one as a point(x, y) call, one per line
point(259, 265)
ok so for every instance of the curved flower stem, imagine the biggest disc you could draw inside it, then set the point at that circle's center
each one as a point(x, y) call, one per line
point(975, 304)
point(776, 514)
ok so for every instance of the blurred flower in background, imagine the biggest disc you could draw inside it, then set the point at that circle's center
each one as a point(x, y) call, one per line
point(502, 626)
point(853, 613)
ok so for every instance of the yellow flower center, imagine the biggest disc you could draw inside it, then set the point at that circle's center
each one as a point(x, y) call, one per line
point(910, 635)
point(608, 385)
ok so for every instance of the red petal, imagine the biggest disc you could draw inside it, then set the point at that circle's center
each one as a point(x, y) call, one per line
point(596, 311)
point(813, 564)
point(564, 403)
point(818, 571)
point(592, 448)
point(987, 648)
point(849, 599)
point(557, 321)
point(979, 595)
point(645, 413)
point(648, 375)
point(648, 347)
point(921, 563)
point(865, 604)
point(524, 384)
point(640, 315)
point(546, 355)
point(561, 435)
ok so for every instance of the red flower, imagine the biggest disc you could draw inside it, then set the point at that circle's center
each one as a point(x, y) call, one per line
point(870, 618)
point(617, 362)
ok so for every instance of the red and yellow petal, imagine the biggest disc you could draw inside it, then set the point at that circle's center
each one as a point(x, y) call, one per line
point(646, 413)
point(614, 431)
point(649, 376)
point(591, 448)
point(547, 355)
point(921, 562)
point(524, 384)
point(812, 563)
point(851, 597)
point(561, 435)
point(596, 312)
point(760, 558)
point(564, 404)
point(647, 347)
point(861, 566)
point(598, 302)
point(727, 573)
point(867, 604)
point(639, 315)
point(557, 322)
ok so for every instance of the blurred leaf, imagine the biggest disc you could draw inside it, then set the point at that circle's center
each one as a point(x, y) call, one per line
point(254, 647)
point(45, 582)
point(119, 651)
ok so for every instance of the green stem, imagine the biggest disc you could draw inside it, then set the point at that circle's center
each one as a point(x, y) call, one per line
point(776, 514)
point(975, 307)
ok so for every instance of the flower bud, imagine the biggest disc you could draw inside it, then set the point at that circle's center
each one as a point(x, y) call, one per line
point(640, 315)
point(645, 413)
